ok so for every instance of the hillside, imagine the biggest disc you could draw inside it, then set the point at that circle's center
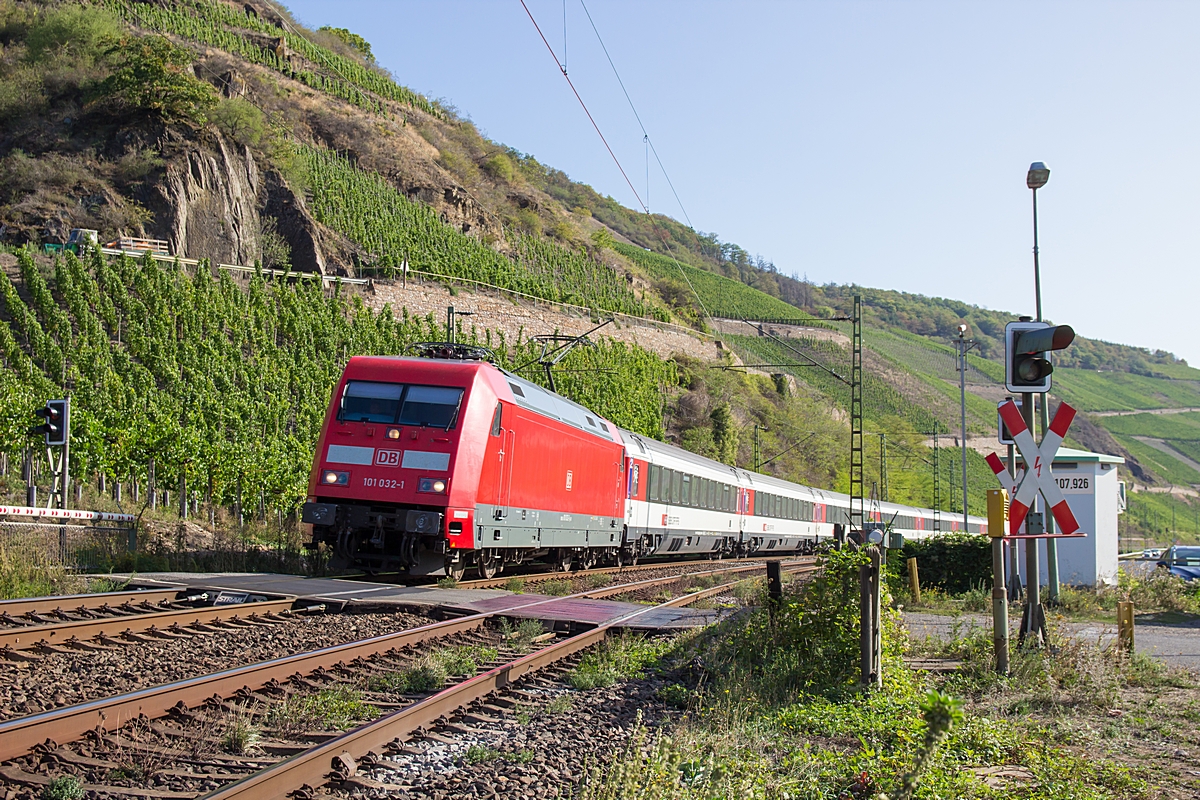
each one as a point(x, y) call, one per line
point(238, 136)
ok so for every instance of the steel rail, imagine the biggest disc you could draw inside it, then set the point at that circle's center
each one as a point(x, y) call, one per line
point(58, 633)
point(313, 767)
point(19, 736)
point(73, 602)
point(500, 583)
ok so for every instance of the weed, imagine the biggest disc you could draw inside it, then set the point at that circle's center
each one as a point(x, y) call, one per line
point(559, 705)
point(447, 583)
point(674, 694)
point(64, 787)
point(239, 734)
point(515, 585)
point(621, 658)
point(521, 636)
point(478, 754)
point(597, 580)
point(556, 587)
point(335, 708)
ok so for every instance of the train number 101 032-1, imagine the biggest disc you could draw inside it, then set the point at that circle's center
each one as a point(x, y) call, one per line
point(1078, 484)
point(383, 483)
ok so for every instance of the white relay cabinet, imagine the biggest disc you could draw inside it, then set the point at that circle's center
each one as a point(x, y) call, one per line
point(1096, 497)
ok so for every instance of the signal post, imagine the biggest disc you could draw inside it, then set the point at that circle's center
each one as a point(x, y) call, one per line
point(1027, 367)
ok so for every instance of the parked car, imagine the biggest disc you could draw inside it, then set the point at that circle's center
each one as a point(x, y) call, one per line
point(1182, 561)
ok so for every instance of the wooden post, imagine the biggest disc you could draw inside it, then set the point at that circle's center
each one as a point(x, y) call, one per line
point(183, 499)
point(151, 487)
point(914, 582)
point(1125, 626)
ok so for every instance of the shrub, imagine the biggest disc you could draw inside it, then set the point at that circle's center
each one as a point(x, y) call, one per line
point(352, 39)
point(240, 120)
point(500, 167)
point(83, 33)
point(954, 562)
point(152, 74)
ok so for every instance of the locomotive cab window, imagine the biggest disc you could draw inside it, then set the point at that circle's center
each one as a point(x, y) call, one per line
point(367, 401)
point(430, 406)
point(395, 403)
point(496, 419)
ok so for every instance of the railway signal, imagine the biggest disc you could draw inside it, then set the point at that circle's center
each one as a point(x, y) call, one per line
point(1037, 475)
point(1027, 346)
point(56, 425)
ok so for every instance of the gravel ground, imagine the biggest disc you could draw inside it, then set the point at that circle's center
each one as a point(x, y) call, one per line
point(1177, 645)
point(63, 679)
point(534, 753)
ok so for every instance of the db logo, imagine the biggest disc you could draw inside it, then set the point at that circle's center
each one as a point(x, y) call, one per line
point(387, 458)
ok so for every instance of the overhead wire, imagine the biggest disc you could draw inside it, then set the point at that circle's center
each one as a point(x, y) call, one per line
point(617, 161)
point(591, 119)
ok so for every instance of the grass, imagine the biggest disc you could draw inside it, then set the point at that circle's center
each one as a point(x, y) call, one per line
point(560, 704)
point(515, 585)
point(520, 636)
point(335, 708)
point(64, 787)
point(621, 658)
point(27, 575)
point(1088, 390)
point(478, 754)
point(239, 734)
point(1075, 724)
point(556, 587)
point(1164, 465)
point(431, 671)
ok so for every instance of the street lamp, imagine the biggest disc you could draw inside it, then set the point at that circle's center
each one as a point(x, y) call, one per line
point(1035, 179)
point(963, 344)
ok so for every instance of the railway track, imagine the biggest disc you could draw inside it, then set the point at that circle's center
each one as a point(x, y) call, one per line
point(91, 622)
point(538, 577)
point(34, 747)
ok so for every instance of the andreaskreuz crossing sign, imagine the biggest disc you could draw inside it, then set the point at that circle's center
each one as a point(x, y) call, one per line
point(1037, 475)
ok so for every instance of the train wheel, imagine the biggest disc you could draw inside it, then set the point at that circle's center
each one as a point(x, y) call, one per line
point(489, 566)
point(563, 564)
point(455, 569)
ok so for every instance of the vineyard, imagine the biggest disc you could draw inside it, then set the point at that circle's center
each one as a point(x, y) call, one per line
point(367, 209)
point(721, 296)
point(249, 36)
point(227, 386)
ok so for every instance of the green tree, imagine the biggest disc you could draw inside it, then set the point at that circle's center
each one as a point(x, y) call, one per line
point(151, 74)
point(353, 39)
point(240, 120)
point(725, 435)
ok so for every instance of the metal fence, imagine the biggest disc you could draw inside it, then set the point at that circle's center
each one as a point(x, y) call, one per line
point(82, 541)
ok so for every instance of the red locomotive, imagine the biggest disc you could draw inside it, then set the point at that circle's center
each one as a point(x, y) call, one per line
point(443, 462)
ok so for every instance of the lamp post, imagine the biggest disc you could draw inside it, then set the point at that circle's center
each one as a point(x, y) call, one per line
point(963, 344)
point(1036, 178)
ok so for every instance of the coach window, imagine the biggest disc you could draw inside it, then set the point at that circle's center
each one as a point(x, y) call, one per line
point(685, 492)
point(676, 486)
point(652, 484)
point(496, 419)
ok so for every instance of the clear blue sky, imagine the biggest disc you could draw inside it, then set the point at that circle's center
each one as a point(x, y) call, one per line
point(879, 143)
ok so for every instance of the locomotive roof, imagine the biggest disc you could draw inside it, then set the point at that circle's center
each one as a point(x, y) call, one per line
point(529, 395)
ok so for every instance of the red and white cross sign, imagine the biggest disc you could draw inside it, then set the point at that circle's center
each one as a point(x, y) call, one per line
point(1037, 475)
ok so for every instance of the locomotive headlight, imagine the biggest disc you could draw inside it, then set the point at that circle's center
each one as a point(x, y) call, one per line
point(331, 478)
point(393, 433)
point(434, 485)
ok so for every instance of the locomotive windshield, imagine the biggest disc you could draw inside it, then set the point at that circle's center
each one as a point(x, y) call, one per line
point(400, 404)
